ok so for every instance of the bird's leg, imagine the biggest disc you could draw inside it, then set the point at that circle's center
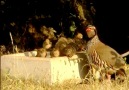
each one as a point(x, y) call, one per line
point(108, 78)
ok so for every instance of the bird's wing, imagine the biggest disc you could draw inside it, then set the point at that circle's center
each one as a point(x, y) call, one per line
point(110, 55)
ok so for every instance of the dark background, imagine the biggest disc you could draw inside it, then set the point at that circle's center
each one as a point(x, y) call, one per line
point(112, 21)
point(111, 18)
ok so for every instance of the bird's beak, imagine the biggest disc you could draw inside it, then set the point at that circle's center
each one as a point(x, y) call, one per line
point(89, 29)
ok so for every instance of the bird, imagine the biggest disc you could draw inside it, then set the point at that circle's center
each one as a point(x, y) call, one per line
point(48, 32)
point(81, 43)
point(47, 44)
point(41, 52)
point(2, 50)
point(103, 57)
point(70, 50)
point(31, 28)
point(55, 52)
point(61, 44)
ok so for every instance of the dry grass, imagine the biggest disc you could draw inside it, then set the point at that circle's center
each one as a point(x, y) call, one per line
point(12, 83)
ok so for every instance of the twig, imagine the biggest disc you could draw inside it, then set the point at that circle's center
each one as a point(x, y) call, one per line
point(125, 54)
point(11, 40)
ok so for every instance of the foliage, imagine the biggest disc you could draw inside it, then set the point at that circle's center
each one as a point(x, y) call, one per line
point(16, 16)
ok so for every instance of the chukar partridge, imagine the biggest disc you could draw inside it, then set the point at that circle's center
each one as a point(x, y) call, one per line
point(80, 42)
point(41, 52)
point(70, 49)
point(2, 50)
point(102, 57)
point(61, 44)
point(47, 44)
point(55, 52)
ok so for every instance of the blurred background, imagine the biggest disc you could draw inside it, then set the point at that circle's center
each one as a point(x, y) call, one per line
point(110, 17)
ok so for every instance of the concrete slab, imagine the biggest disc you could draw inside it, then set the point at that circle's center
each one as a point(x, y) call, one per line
point(49, 70)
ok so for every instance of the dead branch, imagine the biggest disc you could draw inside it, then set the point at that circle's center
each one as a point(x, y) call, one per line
point(125, 54)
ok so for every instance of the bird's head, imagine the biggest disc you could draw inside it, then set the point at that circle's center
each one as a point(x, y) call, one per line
point(91, 31)
point(79, 35)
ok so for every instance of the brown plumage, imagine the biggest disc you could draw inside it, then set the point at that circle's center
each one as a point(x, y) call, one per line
point(69, 46)
point(80, 42)
point(61, 44)
point(2, 50)
point(44, 31)
point(70, 50)
point(78, 36)
point(102, 56)
point(41, 52)
point(55, 52)
point(47, 44)
point(48, 32)
point(31, 28)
